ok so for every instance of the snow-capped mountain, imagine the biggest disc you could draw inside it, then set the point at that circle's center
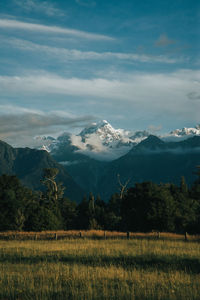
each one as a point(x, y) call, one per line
point(182, 134)
point(106, 133)
point(45, 143)
point(139, 136)
point(50, 143)
point(96, 156)
point(186, 131)
point(111, 137)
point(101, 141)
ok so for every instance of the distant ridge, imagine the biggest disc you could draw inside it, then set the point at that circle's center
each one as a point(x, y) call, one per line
point(101, 141)
point(28, 164)
point(93, 169)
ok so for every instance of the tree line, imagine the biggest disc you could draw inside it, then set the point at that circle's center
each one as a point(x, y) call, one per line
point(144, 207)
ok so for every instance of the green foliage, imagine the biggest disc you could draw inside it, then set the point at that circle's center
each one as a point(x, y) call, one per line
point(54, 191)
point(163, 207)
point(50, 199)
point(135, 206)
point(162, 210)
point(68, 210)
point(13, 201)
point(144, 207)
point(113, 213)
point(91, 213)
point(42, 218)
point(83, 214)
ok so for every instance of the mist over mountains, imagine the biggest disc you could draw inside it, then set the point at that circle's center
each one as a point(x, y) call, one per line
point(104, 143)
point(99, 141)
point(93, 160)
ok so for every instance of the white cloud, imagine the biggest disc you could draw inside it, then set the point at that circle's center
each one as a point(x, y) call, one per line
point(14, 24)
point(44, 7)
point(19, 125)
point(13, 110)
point(68, 54)
point(94, 148)
point(149, 95)
point(76, 140)
point(136, 87)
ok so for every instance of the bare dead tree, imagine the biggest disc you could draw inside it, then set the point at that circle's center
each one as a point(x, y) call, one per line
point(123, 187)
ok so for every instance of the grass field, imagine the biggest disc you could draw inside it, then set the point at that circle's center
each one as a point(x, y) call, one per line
point(139, 268)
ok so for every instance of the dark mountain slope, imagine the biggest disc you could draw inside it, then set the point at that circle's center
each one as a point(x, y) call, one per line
point(85, 170)
point(153, 160)
point(28, 165)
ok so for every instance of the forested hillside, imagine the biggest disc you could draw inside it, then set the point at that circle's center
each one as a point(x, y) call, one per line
point(28, 164)
point(143, 207)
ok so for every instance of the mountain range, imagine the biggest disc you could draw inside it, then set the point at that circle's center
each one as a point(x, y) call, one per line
point(99, 141)
point(104, 143)
point(28, 164)
point(99, 156)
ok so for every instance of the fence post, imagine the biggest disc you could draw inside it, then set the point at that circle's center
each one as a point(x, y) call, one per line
point(158, 236)
point(80, 234)
point(128, 235)
point(186, 236)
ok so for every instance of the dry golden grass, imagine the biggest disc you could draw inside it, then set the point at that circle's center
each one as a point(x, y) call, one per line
point(100, 269)
point(61, 234)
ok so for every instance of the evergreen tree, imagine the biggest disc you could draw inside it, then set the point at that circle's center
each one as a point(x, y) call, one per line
point(135, 207)
point(13, 199)
point(100, 213)
point(91, 213)
point(69, 212)
point(195, 194)
point(50, 199)
point(113, 213)
point(162, 210)
point(83, 214)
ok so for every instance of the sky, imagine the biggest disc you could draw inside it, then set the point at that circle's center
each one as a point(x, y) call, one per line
point(65, 64)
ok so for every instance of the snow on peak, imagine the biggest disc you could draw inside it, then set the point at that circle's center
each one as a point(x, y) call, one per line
point(102, 141)
point(139, 136)
point(181, 134)
point(99, 140)
point(105, 132)
point(186, 131)
point(44, 148)
point(96, 128)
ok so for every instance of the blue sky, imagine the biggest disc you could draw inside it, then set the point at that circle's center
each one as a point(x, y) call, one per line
point(64, 64)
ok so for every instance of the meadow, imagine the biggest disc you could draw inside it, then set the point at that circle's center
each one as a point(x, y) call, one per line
point(95, 268)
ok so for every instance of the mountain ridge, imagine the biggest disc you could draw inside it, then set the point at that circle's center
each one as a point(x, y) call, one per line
point(151, 159)
point(102, 142)
point(28, 164)
point(164, 162)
